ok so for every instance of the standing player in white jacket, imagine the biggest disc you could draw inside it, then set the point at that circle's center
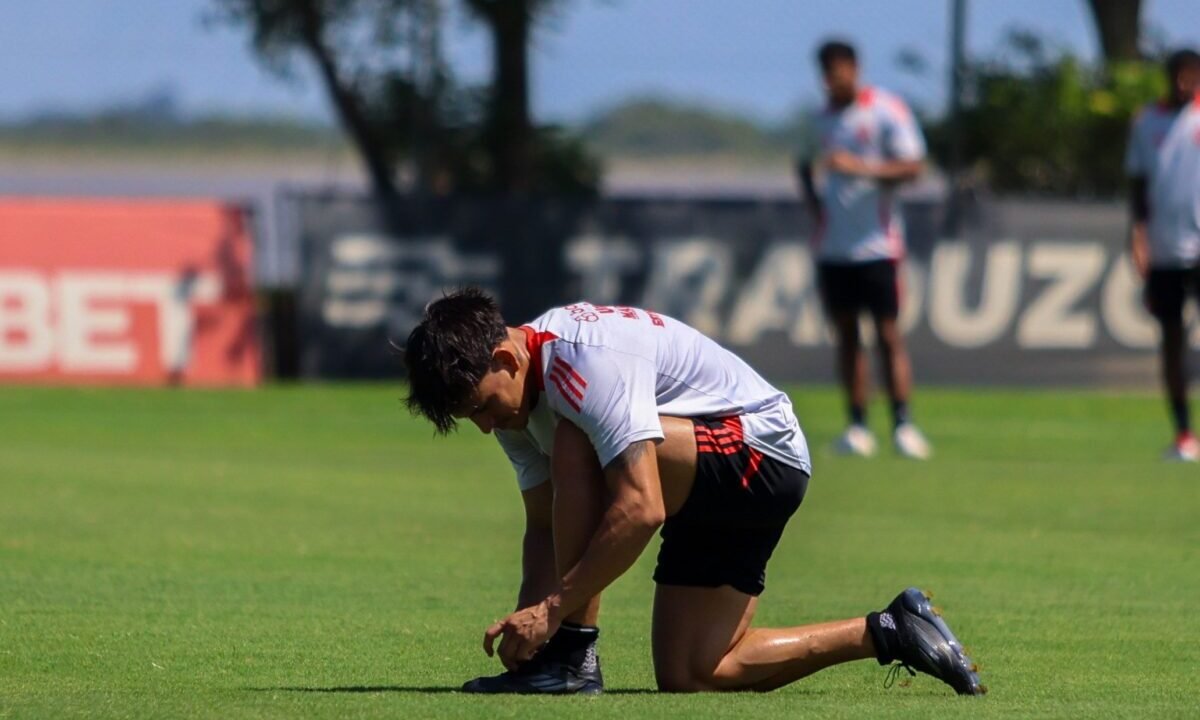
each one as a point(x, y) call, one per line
point(866, 144)
point(1163, 163)
point(618, 422)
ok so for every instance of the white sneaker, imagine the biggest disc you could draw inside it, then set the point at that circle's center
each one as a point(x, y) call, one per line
point(857, 440)
point(910, 443)
point(1185, 449)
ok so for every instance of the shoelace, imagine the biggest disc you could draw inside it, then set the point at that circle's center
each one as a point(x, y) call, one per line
point(894, 672)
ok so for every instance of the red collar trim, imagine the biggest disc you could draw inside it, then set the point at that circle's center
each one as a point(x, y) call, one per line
point(534, 341)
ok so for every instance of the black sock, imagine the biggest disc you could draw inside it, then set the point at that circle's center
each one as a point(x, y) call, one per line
point(884, 634)
point(899, 412)
point(1182, 415)
point(570, 644)
point(858, 415)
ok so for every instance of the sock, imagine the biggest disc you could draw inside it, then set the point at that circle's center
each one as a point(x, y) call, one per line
point(899, 412)
point(884, 634)
point(572, 642)
point(1181, 414)
point(858, 415)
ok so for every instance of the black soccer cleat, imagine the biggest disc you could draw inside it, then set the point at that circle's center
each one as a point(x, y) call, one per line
point(550, 672)
point(925, 643)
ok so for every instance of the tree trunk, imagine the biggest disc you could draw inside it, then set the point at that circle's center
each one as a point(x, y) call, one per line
point(510, 133)
point(349, 109)
point(1117, 25)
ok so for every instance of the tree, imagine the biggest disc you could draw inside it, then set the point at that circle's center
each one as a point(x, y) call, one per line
point(380, 63)
point(509, 131)
point(1117, 24)
point(321, 29)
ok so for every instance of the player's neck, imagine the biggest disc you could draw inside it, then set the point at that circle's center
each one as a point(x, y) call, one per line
point(524, 364)
point(1179, 100)
point(842, 103)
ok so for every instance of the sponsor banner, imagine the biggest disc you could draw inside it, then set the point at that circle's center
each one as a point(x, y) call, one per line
point(1032, 293)
point(126, 292)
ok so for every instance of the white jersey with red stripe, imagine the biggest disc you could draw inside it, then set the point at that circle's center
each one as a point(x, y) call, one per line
point(861, 221)
point(614, 370)
point(1164, 148)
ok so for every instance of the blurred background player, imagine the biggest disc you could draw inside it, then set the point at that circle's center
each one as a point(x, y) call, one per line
point(869, 143)
point(1163, 162)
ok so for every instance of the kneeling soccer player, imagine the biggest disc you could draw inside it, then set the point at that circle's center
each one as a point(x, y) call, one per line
point(619, 422)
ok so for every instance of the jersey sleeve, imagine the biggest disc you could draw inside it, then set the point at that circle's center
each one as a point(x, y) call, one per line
point(607, 394)
point(1137, 164)
point(531, 466)
point(902, 137)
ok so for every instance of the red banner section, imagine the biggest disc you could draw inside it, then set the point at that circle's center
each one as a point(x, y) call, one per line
point(126, 292)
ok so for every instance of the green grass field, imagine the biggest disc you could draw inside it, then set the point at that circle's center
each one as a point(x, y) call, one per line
point(314, 552)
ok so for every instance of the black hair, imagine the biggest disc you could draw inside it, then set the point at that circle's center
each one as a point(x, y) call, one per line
point(449, 352)
point(832, 51)
point(1179, 60)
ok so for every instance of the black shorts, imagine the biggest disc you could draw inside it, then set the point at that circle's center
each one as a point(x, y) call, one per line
point(853, 287)
point(731, 522)
point(1168, 288)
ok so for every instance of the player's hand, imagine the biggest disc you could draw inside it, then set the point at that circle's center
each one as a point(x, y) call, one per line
point(523, 633)
point(1139, 249)
point(847, 163)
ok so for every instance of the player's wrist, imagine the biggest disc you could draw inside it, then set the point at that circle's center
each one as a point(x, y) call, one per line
point(554, 608)
point(875, 169)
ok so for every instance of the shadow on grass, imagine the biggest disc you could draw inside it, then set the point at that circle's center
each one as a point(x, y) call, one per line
point(419, 690)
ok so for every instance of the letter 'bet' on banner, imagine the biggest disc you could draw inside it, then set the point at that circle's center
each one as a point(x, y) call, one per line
point(126, 292)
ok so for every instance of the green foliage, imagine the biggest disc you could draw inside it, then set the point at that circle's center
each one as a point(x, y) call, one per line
point(659, 128)
point(1044, 122)
point(562, 163)
point(310, 552)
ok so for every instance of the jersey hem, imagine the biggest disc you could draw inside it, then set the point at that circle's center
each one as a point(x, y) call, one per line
point(773, 453)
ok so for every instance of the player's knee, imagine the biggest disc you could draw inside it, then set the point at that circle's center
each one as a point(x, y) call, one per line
point(887, 334)
point(685, 678)
point(890, 346)
point(682, 682)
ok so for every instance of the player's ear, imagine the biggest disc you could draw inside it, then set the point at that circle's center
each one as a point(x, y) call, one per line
point(505, 359)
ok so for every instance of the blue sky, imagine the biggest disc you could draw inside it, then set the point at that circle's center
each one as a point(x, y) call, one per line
point(754, 55)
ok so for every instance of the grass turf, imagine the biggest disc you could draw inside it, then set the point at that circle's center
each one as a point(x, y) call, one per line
point(311, 551)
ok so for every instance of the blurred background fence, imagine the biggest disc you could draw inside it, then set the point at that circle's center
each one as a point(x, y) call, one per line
point(1031, 292)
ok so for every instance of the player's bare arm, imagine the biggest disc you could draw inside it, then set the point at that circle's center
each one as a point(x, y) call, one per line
point(538, 575)
point(1139, 208)
point(808, 188)
point(847, 163)
point(634, 514)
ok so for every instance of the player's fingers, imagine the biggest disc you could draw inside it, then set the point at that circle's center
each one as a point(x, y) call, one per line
point(525, 651)
point(490, 635)
point(508, 649)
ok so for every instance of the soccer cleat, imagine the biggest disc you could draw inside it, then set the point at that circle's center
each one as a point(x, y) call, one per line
point(926, 644)
point(910, 442)
point(1185, 449)
point(548, 673)
point(857, 440)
